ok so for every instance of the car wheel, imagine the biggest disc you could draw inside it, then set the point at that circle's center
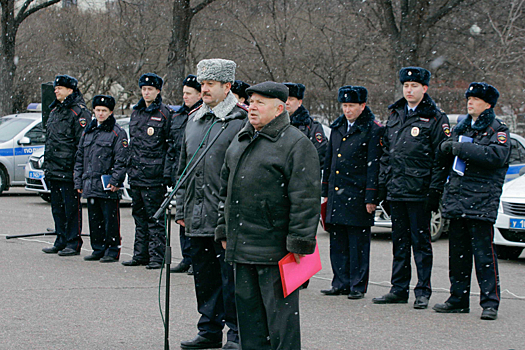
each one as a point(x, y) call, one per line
point(436, 225)
point(3, 180)
point(46, 197)
point(508, 253)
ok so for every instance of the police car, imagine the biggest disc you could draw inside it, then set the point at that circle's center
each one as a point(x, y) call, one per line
point(34, 175)
point(20, 136)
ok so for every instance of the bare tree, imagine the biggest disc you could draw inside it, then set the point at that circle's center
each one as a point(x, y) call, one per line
point(10, 23)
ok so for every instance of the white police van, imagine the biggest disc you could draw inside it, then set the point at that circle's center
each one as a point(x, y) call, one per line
point(20, 136)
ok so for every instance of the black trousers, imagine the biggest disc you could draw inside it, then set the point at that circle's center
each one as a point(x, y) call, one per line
point(150, 236)
point(67, 214)
point(267, 320)
point(350, 257)
point(185, 246)
point(411, 229)
point(104, 226)
point(215, 289)
point(469, 237)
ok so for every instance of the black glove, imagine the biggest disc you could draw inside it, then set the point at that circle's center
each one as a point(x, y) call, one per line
point(455, 147)
point(433, 199)
point(446, 147)
point(381, 194)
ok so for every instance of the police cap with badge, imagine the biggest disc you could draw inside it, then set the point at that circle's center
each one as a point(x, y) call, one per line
point(239, 87)
point(296, 90)
point(352, 94)
point(484, 91)
point(415, 74)
point(65, 81)
point(104, 101)
point(191, 81)
point(151, 79)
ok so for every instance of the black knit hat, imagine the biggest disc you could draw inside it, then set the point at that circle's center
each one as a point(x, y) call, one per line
point(104, 101)
point(239, 87)
point(417, 74)
point(151, 79)
point(191, 81)
point(269, 89)
point(486, 92)
point(65, 81)
point(352, 94)
point(296, 90)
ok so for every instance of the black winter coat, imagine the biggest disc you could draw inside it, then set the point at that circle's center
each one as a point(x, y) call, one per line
point(198, 199)
point(149, 130)
point(351, 170)
point(65, 125)
point(270, 194)
point(476, 194)
point(409, 167)
point(103, 150)
point(178, 125)
point(312, 129)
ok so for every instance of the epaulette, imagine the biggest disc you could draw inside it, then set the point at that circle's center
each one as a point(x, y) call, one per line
point(441, 110)
point(377, 123)
point(195, 110)
point(241, 105)
point(500, 121)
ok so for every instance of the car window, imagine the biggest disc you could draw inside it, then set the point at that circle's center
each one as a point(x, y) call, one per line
point(517, 153)
point(36, 135)
point(10, 128)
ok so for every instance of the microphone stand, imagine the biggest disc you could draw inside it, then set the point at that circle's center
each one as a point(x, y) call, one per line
point(158, 215)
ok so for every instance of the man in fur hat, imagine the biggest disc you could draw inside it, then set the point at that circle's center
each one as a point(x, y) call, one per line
point(413, 180)
point(102, 151)
point(239, 90)
point(67, 120)
point(198, 202)
point(191, 94)
point(149, 130)
point(471, 200)
point(300, 118)
point(350, 189)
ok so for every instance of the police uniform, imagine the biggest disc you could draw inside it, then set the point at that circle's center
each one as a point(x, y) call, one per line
point(103, 150)
point(149, 129)
point(65, 125)
point(414, 181)
point(349, 183)
point(471, 203)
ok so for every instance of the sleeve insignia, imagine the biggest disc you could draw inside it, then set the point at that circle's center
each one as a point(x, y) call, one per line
point(319, 137)
point(82, 122)
point(502, 137)
point(446, 129)
point(125, 143)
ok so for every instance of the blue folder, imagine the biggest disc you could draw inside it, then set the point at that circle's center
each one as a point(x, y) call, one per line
point(459, 164)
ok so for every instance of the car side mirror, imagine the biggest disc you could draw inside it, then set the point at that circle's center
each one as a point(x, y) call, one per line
point(24, 141)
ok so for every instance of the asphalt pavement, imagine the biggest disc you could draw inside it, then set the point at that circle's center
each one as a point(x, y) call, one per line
point(52, 302)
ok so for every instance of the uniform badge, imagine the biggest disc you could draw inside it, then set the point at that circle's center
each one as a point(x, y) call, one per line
point(446, 129)
point(319, 137)
point(82, 122)
point(125, 143)
point(157, 119)
point(151, 131)
point(424, 119)
point(415, 131)
point(502, 137)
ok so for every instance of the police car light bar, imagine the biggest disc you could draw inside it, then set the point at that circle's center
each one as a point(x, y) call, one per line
point(34, 107)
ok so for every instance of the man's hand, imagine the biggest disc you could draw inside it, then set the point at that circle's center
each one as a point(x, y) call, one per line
point(79, 191)
point(298, 257)
point(324, 199)
point(181, 222)
point(370, 208)
point(223, 245)
point(446, 147)
point(112, 188)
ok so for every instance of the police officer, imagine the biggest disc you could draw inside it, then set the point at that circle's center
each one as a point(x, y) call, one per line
point(414, 183)
point(102, 151)
point(239, 91)
point(300, 118)
point(191, 94)
point(198, 202)
point(149, 130)
point(67, 120)
point(471, 201)
point(350, 188)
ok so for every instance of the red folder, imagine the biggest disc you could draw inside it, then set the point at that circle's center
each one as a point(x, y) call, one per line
point(323, 214)
point(293, 275)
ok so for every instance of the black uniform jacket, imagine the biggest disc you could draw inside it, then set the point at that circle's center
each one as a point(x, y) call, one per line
point(476, 194)
point(103, 150)
point(409, 167)
point(65, 125)
point(312, 129)
point(198, 199)
point(270, 194)
point(351, 170)
point(178, 125)
point(149, 130)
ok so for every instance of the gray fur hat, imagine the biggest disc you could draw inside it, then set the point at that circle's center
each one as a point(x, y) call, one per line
point(216, 69)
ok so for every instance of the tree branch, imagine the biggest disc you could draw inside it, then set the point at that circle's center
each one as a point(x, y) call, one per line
point(23, 14)
point(200, 6)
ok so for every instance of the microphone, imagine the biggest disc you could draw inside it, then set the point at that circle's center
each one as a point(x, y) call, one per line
point(236, 115)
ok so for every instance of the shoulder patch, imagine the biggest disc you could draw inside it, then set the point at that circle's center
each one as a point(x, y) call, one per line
point(502, 137)
point(446, 129)
point(243, 106)
point(319, 137)
point(82, 122)
point(124, 143)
